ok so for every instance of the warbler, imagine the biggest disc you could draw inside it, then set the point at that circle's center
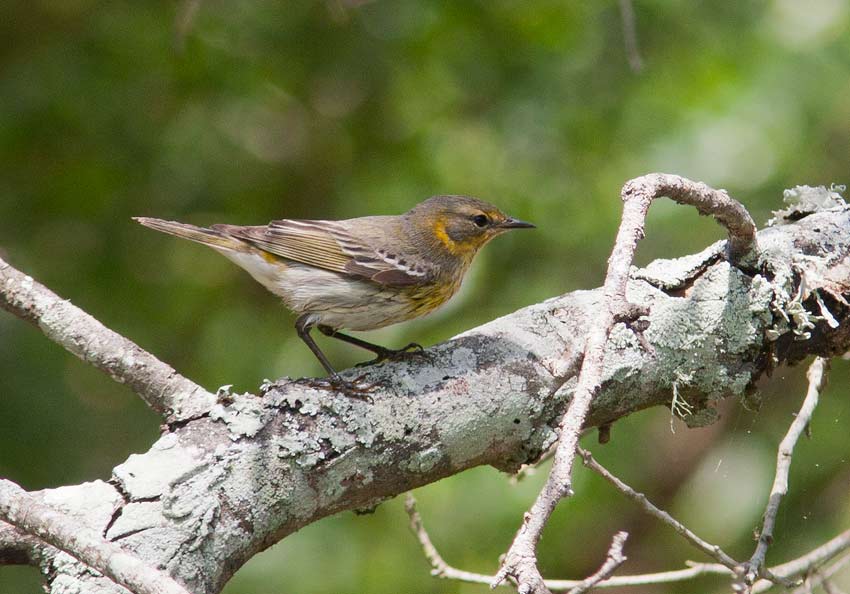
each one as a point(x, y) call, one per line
point(362, 273)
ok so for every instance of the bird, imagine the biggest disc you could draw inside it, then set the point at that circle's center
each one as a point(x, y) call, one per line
point(362, 273)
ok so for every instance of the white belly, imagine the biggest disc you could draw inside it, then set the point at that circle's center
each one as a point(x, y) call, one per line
point(328, 298)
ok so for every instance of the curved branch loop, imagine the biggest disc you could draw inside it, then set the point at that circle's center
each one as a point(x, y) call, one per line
point(521, 559)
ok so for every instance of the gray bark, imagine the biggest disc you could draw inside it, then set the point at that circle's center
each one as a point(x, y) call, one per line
point(216, 489)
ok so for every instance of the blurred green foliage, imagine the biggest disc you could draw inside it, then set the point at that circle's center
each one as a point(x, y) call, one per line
point(269, 109)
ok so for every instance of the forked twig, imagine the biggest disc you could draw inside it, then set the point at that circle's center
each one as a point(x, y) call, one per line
point(799, 566)
point(520, 562)
point(31, 516)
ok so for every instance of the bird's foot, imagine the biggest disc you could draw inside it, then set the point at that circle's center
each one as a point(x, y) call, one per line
point(412, 350)
point(356, 388)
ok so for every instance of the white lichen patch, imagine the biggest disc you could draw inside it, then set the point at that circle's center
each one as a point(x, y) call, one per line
point(136, 517)
point(95, 501)
point(27, 283)
point(805, 200)
point(677, 272)
point(790, 311)
point(244, 417)
point(463, 357)
point(145, 476)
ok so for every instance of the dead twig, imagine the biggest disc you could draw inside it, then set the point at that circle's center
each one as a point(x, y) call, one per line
point(613, 560)
point(816, 375)
point(822, 576)
point(799, 566)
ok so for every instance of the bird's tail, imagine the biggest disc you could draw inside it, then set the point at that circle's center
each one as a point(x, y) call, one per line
point(210, 237)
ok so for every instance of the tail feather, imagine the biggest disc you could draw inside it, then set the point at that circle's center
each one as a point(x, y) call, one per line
point(211, 237)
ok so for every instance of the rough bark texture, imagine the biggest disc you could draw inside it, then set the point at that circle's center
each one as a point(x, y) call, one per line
point(214, 490)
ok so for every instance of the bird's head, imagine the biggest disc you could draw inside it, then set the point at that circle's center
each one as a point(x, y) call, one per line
point(460, 224)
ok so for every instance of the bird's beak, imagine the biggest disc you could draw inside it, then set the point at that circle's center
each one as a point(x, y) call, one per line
point(512, 223)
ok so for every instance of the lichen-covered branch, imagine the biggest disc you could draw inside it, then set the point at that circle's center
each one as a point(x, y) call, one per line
point(162, 388)
point(216, 489)
point(520, 561)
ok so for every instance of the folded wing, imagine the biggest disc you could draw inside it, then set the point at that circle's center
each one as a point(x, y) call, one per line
point(328, 245)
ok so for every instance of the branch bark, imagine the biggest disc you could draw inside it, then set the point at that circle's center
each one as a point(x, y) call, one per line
point(36, 519)
point(222, 485)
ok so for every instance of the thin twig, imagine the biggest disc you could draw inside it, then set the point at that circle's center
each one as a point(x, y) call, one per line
point(630, 40)
point(31, 516)
point(520, 562)
point(817, 380)
point(801, 565)
point(163, 389)
point(439, 567)
point(709, 549)
point(821, 577)
point(613, 560)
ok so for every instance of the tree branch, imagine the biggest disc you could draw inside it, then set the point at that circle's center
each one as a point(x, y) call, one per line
point(521, 559)
point(36, 519)
point(163, 389)
point(223, 485)
point(804, 564)
point(821, 577)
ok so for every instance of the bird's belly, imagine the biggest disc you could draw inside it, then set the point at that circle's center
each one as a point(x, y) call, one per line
point(339, 301)
point(342, 302)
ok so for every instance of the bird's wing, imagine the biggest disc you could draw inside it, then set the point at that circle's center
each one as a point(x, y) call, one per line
point(329, 245)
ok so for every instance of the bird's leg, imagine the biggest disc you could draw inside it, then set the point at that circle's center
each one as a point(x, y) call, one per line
point(382, 353)
point(302, 327)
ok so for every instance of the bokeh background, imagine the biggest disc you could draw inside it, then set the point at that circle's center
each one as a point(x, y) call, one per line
point(254, 110)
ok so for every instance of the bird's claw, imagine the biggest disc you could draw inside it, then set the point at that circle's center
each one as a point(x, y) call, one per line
point(412, 349)
point(356, 388)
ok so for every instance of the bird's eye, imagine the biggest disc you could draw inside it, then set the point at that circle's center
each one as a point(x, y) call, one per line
point(480, 220)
